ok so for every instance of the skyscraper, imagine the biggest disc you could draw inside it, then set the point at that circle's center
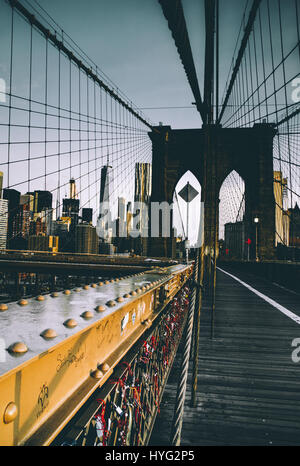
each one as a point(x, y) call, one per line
point(281, 216)
point(3, 223)
point(122, 216)
point(87, 215)
point(21, 227)
point(42, 200)
point(104, 219)
point(142, 193)
point(13, 198)
point(73, 192)
point(105, 184)
point(128, 218)
point(27, 199)
point(86, 239)
point(71, 209)
point(1, 183)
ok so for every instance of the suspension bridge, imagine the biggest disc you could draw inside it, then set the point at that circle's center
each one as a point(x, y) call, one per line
point(121, 322)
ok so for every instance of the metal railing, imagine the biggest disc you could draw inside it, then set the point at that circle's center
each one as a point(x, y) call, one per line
point(123, 411)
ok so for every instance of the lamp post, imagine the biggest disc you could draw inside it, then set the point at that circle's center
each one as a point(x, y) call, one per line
point(256, 221)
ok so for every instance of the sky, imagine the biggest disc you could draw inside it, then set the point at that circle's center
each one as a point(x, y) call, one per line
point(131, 43)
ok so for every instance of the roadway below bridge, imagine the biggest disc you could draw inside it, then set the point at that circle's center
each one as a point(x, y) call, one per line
point(249, 371)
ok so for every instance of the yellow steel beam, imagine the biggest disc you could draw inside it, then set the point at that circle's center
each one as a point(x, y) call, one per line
point(44, 385)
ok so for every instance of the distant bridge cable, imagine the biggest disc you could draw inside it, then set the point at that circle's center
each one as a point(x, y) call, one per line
point(248, 28)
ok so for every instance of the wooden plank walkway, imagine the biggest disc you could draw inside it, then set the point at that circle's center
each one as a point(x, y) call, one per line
point(248, 385)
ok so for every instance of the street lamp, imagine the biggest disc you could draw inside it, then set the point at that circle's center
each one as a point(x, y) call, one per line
point(256, 221)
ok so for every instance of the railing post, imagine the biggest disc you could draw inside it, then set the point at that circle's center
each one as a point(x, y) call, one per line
point(197, 328)
point(181, 388)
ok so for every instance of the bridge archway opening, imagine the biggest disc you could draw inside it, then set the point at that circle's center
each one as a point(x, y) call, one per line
point(232, 238)
point(180, 209)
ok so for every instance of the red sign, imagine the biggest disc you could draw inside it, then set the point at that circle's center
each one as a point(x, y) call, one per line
point(248, 241)
point(227, 251)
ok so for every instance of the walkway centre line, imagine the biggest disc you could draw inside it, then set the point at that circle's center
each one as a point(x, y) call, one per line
point(273, 303)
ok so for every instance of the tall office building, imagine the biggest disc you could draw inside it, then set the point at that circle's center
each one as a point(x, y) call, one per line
point(47, 218)
point(105, 183)
point(87, 214)
point(13, 198)
point(281, 215)
point(71, 209)
point(104, 219)
point(43, 243)
point(42, 200)
point(294, 226)
point(122, 216)
point(21, 227)
point(27, 199)
point(1, 183)
point(3, 223)
point(128, 218)
point(86, 239)
point(142, 193)
point(37, 227)
point(73, 191)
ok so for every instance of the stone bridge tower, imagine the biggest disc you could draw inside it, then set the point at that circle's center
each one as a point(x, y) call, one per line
point(248, 151)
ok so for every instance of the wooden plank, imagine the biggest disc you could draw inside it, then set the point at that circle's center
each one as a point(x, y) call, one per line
point(248, 385)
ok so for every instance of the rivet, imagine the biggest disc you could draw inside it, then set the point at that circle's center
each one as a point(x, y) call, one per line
point(54, 294)
point(127, 295)
point(48, 334)
point(87, 315)
point(40, 298)
point(23, 302)
point(144, 288)
point(100, 283)
point(117, 279)
point(67, 292)
point(133, 293)
point(120, 299)
point(100, 308)
point(3, 307)
point(18, 348)
point(97, 374)
point(138, 290)
point(70, 323)
point(111, 303)
point(106, 282)
point(93, 285)
point(77, 290)
point(10, 413)
point(85, 287)
point(104, 367)
point(112, 280)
